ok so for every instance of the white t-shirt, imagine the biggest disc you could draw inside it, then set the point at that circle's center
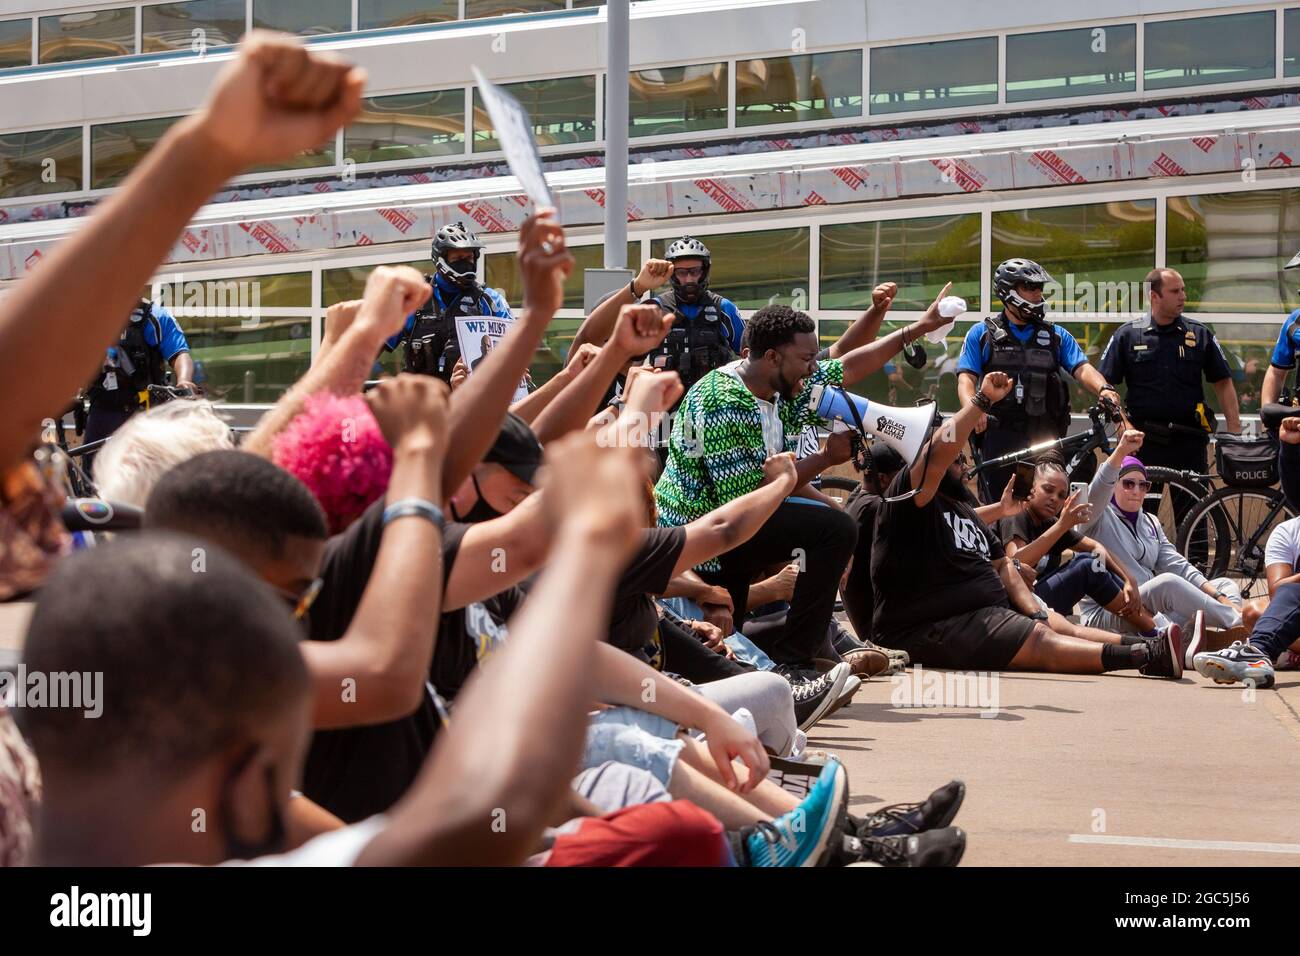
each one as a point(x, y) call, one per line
point(336, 848)
point(1284, 544)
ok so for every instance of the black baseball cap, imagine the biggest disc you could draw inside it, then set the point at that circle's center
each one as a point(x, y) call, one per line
point(516, 449)
point(884, 458)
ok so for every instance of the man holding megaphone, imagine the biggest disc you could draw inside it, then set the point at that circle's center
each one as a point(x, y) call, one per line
point(737, 416)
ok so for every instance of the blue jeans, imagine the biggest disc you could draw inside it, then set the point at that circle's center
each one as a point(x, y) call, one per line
point(746, 651)
point(1279, 626)
point(634, 737)
point(1071, 583)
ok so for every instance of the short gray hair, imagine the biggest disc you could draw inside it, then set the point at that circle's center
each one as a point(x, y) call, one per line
point(150, 445)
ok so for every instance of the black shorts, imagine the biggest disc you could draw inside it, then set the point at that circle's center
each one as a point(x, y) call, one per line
point(986, 640)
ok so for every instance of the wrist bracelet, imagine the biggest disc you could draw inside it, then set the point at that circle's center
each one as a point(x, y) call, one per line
point(981, 401)
point(631, 287)
point(415, 506)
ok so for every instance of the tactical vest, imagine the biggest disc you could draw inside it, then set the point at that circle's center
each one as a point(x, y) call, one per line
point(430, 346)
point(138, 364)
point(694, 347)
point(1039, 395)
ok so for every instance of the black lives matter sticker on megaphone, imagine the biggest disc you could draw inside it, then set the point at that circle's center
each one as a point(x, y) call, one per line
point(903, 429)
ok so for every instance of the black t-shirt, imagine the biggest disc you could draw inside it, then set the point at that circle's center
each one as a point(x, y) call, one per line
point(634, 616)
point(1024, 527)
point(356, 772)
point(859, 596)
point(931, 563)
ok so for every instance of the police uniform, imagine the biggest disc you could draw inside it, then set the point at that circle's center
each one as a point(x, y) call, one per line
point(705, 335)
point(428, 340)
point(1037, 409)
point(1165, 369)
point(150, 341)
point(1288, 344)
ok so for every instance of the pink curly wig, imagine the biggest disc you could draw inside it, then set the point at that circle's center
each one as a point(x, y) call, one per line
point(336, 449)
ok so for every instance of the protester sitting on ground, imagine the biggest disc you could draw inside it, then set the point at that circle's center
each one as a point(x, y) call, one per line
point(20, 792)
point(1038, 535)
point(142, 450)
point(731, 421)
point(239, 719)
point(945, 592)
point(1168, 583)
point(1274, 642)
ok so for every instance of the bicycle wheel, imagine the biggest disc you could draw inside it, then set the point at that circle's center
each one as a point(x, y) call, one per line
point(1235, 523)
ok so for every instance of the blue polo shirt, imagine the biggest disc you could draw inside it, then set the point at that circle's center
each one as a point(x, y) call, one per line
point(173, 339)
point(1068, 354)
point(1288, 343)
point(735, 325)
point(444, 292)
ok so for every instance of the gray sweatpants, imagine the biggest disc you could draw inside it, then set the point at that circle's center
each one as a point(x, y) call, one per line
point(1177, 599)
point(768, 698)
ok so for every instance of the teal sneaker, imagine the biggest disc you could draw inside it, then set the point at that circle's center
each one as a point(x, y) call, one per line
point(807, 834)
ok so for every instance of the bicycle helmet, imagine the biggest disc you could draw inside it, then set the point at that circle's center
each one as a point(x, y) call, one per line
point(689, 248)
point(456, 236)
point(1016, 272)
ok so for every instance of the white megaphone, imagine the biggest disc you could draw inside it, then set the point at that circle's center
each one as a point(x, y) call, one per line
point(903, 429)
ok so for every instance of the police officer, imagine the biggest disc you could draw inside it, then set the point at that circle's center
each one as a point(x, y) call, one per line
point(428, 340)
point(1163, 356)
point(1284, 353)
point(1025, 344)
point(151, 340)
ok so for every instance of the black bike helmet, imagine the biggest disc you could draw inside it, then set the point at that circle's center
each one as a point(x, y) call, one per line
point(688, 248)
point(455, 236)
point(1016, 272)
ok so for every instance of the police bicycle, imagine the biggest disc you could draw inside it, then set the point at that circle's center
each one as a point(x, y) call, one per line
point(1236, 520)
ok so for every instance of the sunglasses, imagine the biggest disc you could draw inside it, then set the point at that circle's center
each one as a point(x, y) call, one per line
point(1131, 483)
point(693, 273)
point(301, 603)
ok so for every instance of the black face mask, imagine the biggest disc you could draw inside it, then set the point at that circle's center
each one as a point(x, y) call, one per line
point(481, 511)
point(237, 849)
point(687, 292)
point(462, 266)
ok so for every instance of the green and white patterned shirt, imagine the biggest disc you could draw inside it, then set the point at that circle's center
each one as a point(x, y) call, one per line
point(718, 443)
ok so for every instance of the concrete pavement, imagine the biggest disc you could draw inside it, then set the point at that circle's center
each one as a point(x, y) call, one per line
point(1090, 770)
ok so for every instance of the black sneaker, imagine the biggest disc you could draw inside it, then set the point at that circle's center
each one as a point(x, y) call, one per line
point(1164, 654)
point(931, 848)
point(812, 698)
point(900, 819)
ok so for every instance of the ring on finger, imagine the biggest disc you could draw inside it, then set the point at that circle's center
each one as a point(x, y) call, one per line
point(547, 247)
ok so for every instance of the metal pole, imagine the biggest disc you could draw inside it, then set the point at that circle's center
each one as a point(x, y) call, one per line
point(616, 59)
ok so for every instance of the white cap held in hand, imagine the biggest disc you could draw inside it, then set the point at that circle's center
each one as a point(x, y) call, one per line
point(950, 307)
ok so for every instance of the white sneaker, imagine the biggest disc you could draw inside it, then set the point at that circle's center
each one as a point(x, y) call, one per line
point(1195, 640)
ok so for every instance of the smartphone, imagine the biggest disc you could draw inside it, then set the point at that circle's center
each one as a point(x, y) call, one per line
point(1081, 489)
point(1024, 480)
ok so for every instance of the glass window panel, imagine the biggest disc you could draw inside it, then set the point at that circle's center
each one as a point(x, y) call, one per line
point(754, 269)
point(562, 110)
point(1097, 253)
point(677, 99)
point(1230, 249)
point(322, 155)
point(349, 282)
point(1248, 348)
point(1080, 62)
point(44, 161)
point(919, 254)
point(286, 290)
point(794, 89)
point(1291, 42)
point(171, 26)
point(87, 35)
point(502, 273)
point(15, 43)
point(1209, 50)
point(374, 14)
point(926, 76)
point(303, 17)
point(554, 350)
point(407, 126)
point(237, 361)
point(474, 9)
point(115, 148)
point(898, 383)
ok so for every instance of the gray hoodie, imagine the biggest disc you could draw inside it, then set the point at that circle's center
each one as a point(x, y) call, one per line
point(1147, 552)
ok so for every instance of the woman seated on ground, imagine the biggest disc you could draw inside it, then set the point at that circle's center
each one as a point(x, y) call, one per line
point(1167, 582)
point(1037, 537)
